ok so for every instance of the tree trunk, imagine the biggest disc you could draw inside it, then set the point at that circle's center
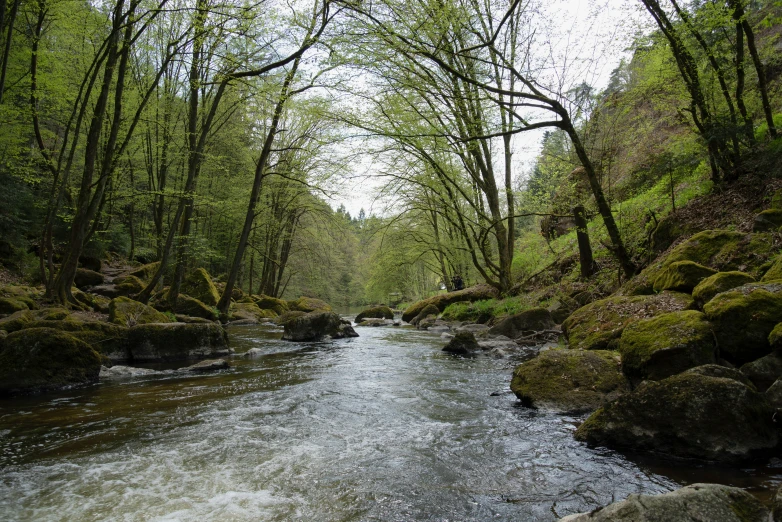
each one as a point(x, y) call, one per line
point(586, 259)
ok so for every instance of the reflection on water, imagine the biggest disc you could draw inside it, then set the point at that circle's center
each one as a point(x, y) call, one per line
point(382, 427)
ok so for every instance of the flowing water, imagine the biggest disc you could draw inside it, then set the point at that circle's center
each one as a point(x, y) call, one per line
point(384, 427)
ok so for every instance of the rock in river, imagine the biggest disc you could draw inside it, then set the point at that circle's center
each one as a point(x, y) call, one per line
point(315, 326)
point(177, 341)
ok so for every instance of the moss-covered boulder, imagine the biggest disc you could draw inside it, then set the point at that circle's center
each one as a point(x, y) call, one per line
point(598, 325)
point(24, 318)
point(668, 230)
point(288, 316)
point(128, 285)
point(687, 415)
point(743, 318)
point(10, 305)
point(85, 278)
point(474, 293)
point(681, 276)
point(316, 326)
point(774, 338)
point(693, 503)
point(526, 322)
point(145, 272)
point(264, 302)
point(40, 359)
point(250, 312)
point(177, 341)
point(721, 250)
point(665, 345)
point(375, 312)
point(429, 310)
point(198, 284)
point(90, 301)
point(463, 343)
point(723, 372)
point(127, 312)
point(194, 308)
point(308, 304)
point(768, 221)
point(774, 273)
point(573, 381)
point(718, 283)
point(765, 371)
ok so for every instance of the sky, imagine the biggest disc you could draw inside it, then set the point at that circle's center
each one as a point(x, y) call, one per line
point(591, 37)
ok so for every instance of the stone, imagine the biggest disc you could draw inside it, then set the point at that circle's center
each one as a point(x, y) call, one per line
point(288, 316)
point(253, 353)
point(264, 302)
point(668, 230)
point(145, 272)
point(569, 381)
point(774, 338)
point(693, 503)
point(375, 322)
point(715, 370)
point(97, 303)
point(199, 285)
point(124, 372)
point(776, 506)
point(91, 263)
point(475, 329)
point(10, 305)
point(127, 312)
point(774, 273)
point(309, 304)
point(41, 359)
point(192, 307)
point(376, 312)
point(315, 326)
point(124, 286)
point(177, 341)
point(240, 311)
point(765, 371)
point(718, 283)
point(463, 343)
point(85, 278)
point(768, 221)
point(681, 276)
point(599, 325)
point(534, 320)
point(743, 318)
point(23, 318)
point(688, 416)
point(774, 394)
point(209, 365)
point(665, 345)
point(474, 293)
point(427, 311)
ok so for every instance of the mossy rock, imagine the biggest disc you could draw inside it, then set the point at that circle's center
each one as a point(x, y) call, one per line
point(375, 312)
point(572, 381)
point(774, 338)
point(774, 395)
point(765, 371)
point(721, 250)
point(41, 359)
point(177, 341)
point(774, 273)
point(693, 503)
point(285, 317)
point(681, 276)
point(250, 311)
point(665, 345)
point(237, 294)
point(687, 415)
point(129, 285)
point(24, 318)
point(10, 305)
point(264, 302)
point(194, 308)
point(107, 339)
point(718, 283)
point(743, 318)
point(668, 230)
point(768, 221)
point(474, 293)
point(598, 325)
point(315, 326)
point(308, 305)
point(85, 278)
point(95, 302)
point(429, 310)
point(723, 372)
point(463, 343)
point(127, 312)
point(198, 284)
point(145, 272)
point(29, 292)
point(534, 320)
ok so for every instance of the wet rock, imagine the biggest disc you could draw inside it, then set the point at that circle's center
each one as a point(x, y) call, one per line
point(681, 276)
point(85, 278)
point(474, 293)
point(693, 503)
point(377, 312)
point(573, 381)
point(127, 312)
point(718, 283)
point(436, 327)
point(534, 320)
point(41, 359)
point(198, 284)
point(177, 341)
point(743, 318)
point(767, 221)
point(375, 322)
point(715, 370)
point(124, 372)
point(315, 326)
point(210, 365)
point(665, 345)
point(764, 371)
point(687, 415)
point(501, 344)
point(476, 329)
point(463, 343)
point(599, 325)
point(253, 353)
point(308, 305)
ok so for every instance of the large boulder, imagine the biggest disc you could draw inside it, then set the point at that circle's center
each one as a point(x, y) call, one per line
point(192, 307)
point(723, 372)
point(123, 286)
point(429, 310)
point(288, 316)
point(768, 221)
point(718, 283)
point(688, 415)
point(41, 359)
point(463, 343)
point(10, 305)
point(315, 326)
point(665, 345)
point(774, 395)
point(765, 371)
point(375, 312)
point(693, 503)
point(24, 318)
point(264, 302)
point(107, 339)
point(474, 293)
point(598, 325)
point(127, 312)
point(743, 318)
point(574, 381)
point(177, 341)
point(145, 272)
point(774, 273)
point(308, 305)
point(250, 312)
point(681, 276)
point(85, 278)
point(199, 285)
point(528, 321)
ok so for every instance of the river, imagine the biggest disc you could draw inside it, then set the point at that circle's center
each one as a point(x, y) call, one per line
point(384, 427)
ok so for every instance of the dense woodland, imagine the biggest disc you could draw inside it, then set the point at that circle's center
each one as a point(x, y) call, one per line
point(215, 134)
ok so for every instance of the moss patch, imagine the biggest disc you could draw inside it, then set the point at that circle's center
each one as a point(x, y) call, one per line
point(145, 272)
point(127, 312)
point(717, 283)
point(376, 312)
point(250, 311)
point(681, 276)
point(309, 304)
point(198, 284)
